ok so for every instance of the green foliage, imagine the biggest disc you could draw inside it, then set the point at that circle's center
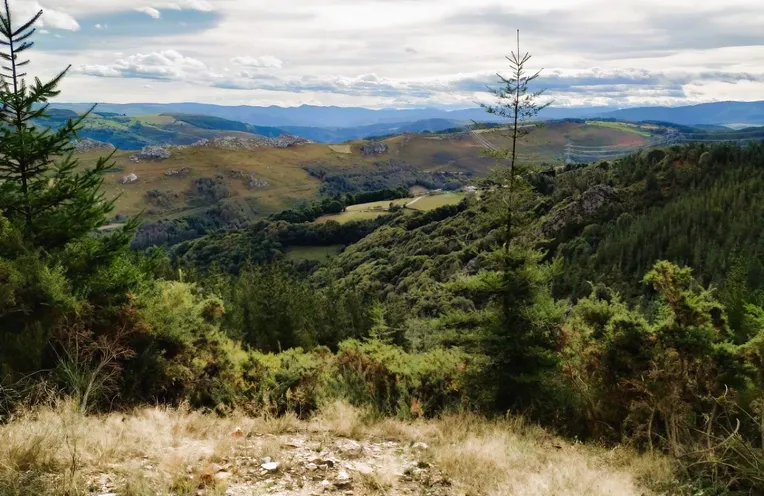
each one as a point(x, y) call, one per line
point(688, 224)
point(522, 339)
point(42, 191)
point(397, 383)
point(337, 203)
point(387, 174)
point(669, 382)
point(272, 310)
point(180, 352)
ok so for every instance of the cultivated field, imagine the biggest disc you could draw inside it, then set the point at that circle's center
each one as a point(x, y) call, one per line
point(431, 202)
point(373, 210)
point(316, 253)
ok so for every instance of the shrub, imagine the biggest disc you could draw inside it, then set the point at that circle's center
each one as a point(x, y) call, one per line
point(395, 382)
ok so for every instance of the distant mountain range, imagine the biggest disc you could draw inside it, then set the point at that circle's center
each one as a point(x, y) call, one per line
point(724, 113)
point(338, 124)
point(315, 116)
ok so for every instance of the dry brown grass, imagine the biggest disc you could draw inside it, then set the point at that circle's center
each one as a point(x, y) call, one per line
point(161, 450)
point(510, 458)
point(63, 451)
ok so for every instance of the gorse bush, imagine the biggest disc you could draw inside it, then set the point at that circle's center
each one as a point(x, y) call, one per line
point(397, 383)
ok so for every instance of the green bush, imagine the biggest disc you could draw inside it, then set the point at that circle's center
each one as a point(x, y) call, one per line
point(395, 382)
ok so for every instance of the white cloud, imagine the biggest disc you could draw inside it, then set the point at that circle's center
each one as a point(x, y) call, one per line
point(200, 5)
point(167, 64)
point(267, 61)
point(150, 11)
point(101, 26)
point(362, 51)
point(53, 18)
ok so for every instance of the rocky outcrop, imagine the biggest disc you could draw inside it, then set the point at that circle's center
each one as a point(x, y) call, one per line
point(593, 201)
point(253, 182)
point(250, 143)
point(249, 178)
point(373, 148)
point(152, 153)
point(88, 145)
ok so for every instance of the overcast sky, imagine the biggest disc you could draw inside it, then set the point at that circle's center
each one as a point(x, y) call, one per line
point(398, 53)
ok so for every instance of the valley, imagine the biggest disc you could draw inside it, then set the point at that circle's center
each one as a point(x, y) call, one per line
point(461, 290)
point(255, 181)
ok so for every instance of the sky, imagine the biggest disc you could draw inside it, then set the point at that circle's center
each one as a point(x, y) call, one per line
point(398, 53)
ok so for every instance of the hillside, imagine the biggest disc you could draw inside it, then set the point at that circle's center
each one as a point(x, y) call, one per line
point(608, 223)
point(136, 132)
point(236, 181)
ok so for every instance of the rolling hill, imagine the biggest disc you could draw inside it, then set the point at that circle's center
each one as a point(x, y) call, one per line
point(242, 182)
point(133, 132)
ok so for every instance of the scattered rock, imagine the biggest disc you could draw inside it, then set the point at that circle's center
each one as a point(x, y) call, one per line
point(152, 152)
point(350, 448)
point(250, 143)
point(363, 468)
point(420, 446)
point(87, 145)
point(343, 479)
point(183, 171)
point(312, 467)
point(128, 179)
point(254, 182)
point(222, 475)
point(374, 148)
point(237, 433)
point(270, 466)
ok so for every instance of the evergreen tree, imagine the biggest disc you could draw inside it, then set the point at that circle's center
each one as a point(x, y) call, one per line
point(521, 342)
point(58, 279)
point(43, 192)
point(516, 102)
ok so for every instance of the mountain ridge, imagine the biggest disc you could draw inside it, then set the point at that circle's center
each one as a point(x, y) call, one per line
point(334, 117)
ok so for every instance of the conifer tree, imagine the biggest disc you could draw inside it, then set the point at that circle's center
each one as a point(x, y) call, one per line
point(516, 102)
point(43, 192)
point(521, 341)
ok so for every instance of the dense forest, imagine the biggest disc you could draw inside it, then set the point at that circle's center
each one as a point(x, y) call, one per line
point(626, 306)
